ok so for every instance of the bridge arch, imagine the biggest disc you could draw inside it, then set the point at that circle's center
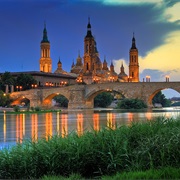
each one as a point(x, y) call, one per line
point(151, 96)
point(21, 100)
point(89, 99)
point(47, 102)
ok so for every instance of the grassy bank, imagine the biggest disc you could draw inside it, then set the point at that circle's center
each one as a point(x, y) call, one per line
point(136, 148)
point(30, 111)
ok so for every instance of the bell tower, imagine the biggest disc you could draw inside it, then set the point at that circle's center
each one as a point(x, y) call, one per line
point(89, 51)
point(133, 62)
point(45, 61)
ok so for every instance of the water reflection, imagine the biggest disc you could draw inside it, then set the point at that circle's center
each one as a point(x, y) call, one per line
point(64, 125)
point(34, 125)
point(16, 128)
point(48, 126)
point(4, 128)
point(111, 122)
point(96, 122)
point(20, 127)
point(80, 128)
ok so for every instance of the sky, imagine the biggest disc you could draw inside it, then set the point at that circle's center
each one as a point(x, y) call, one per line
point(155, 24)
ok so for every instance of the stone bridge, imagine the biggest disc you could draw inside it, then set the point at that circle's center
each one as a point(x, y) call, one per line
point(82, 96)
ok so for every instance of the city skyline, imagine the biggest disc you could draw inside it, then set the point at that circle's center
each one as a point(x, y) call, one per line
point(154, 23)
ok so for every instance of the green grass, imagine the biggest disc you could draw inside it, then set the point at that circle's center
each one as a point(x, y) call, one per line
point(139, 147)
point(163, 173)
point(30, 112)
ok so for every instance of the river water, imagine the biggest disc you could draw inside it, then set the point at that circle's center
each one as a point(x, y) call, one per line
point(15, 128)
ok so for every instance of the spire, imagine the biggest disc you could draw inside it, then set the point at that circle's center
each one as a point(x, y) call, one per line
point(105, 59)
point(72, 64)
point(45, 38)
point(111, 64)
point(122, 68)
point(112, 67)
point(59, 62)
point(79, 60)
point(89, 34)
point(133, 42)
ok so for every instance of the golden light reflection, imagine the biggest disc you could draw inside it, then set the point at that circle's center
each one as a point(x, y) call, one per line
point(80, 124)
point(64, 125)
point(148, 116)
point(111, 122)
point(130, 117)
point(58, 122)
point(20, 127)
point(34, 130)
point(96, 122)
point(4, 127)
point(48, 118)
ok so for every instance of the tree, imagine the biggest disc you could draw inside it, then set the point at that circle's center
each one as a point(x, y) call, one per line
point(131, 104)
point(6, 79)
point(161, 99)
point(25, 81)
point(103, 100)
point(61, 100)
point(4, 99)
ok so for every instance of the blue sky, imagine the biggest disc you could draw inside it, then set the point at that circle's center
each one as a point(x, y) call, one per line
point(156, 24)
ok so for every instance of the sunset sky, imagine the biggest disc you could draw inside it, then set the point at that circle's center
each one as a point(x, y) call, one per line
point(155, 23)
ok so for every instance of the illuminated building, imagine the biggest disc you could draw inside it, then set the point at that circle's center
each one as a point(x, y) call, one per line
point(45, 60)
point(94, 71)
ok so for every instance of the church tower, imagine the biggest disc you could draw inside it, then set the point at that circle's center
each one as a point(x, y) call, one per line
point(45, 61)
point(89, 51)
point(133, 62)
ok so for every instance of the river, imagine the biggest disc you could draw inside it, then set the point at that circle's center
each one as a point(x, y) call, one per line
point(18, 127)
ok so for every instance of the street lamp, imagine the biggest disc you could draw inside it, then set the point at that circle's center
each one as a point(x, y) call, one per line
point(34, 85)
point(19, 88)
point(148, 78)
point(167, 78)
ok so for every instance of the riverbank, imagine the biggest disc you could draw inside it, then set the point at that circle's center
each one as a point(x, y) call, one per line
point(139, 146)
point(25, 111)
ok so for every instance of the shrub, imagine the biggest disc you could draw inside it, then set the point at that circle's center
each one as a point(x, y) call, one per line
point(103, 100)
point(16, 108)
point(37, 108)
point(131, 104)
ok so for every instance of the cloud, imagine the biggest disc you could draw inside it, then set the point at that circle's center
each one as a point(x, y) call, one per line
point(162, 61)
point(172, 13)
point(129, 2)
point(117, 66)
point(165, 57)
point(155, 75)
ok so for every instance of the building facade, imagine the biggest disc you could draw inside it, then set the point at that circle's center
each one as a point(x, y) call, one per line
point(92, 70)
point(89, 68)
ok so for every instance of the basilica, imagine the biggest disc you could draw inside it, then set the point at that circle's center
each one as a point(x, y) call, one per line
point(89, 68)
